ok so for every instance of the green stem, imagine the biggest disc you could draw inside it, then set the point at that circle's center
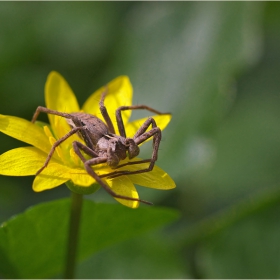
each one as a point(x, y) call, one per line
point(75, 215)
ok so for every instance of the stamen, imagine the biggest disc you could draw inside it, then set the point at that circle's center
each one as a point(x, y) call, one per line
point(47, 131)
point(75, 158)
point(52, 140)
point(57, 149)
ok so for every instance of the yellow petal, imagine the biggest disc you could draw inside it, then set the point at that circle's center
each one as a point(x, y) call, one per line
point(58, 94)
point(119, 94)
point(45, 182)
point(25, 131)
point(53, 175)
point(156, 179)
point(123, 186)
point(60, 97)
point(81, 178)
point(161, 121)
point(22, 161)
point(56, 174)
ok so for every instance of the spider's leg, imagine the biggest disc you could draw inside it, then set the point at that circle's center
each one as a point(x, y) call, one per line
point(56, 144)
point(85, 149)
point(104, 112)
point(135, 107)
point(141, 136)
point(131, 163)
point(41, 109)
point(123, 172)
point(88, 163)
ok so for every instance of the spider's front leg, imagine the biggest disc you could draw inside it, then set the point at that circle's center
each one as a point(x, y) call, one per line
point(78, 146)
point(135, 107)
point(141, 136)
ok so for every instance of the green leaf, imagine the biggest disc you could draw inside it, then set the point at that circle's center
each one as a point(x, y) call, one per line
point(33, 243)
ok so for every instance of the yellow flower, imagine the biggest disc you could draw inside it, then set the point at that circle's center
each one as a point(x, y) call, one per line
point(65, 166)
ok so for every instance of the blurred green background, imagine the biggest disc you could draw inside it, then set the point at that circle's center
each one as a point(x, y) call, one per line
point(215, 66)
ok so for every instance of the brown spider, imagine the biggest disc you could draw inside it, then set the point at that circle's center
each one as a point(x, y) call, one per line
point(103, 145)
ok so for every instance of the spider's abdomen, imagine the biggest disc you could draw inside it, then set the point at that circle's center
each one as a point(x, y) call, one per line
point(96, 128)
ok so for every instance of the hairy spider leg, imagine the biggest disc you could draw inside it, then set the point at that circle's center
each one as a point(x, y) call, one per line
point(141, 130)
point(134, 107)
point(78, 146)
point(56, 144)
point(104, 111)
point(41, 109)
point(75, 120)
point(140, 136)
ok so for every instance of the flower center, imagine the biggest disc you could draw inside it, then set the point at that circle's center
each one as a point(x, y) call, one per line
point(64, 152)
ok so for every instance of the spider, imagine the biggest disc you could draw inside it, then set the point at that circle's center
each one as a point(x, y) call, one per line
point(103, 145)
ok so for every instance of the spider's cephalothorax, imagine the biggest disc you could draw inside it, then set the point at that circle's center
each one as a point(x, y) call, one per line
point(116, 148)
point(103, 145)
